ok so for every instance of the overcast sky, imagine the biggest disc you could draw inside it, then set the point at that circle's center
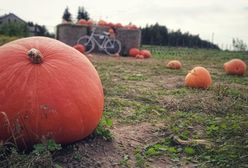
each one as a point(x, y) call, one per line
point(225, 19)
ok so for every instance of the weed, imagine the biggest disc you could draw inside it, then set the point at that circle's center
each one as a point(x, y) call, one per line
point(124, 162)
point(140, 160)
point(41, 156)
point(103, 129)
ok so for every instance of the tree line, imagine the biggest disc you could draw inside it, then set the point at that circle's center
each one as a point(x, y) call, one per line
point(24, 29)
point(160, 35)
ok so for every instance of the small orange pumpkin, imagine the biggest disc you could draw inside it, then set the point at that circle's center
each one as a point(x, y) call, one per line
point(90, 22)
point(139, 56)
point(90, 57)
point(102, 23)
point(110, 24)
point(133, 52)
point(82, 22)
point(198, 77)
point(131, 27)
point(235, 67)
point(79, 47)
point(145, 53)
point(118, 25)
point(174, 64)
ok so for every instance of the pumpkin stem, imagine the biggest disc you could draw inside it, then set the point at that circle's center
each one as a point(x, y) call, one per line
point(35, 56)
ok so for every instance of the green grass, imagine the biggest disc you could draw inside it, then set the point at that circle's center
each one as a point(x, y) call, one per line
point(145, 91)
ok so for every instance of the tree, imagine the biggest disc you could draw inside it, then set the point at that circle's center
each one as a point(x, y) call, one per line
point(67, 15)
point(38, 30)
point(82, 14)
point(239, 45)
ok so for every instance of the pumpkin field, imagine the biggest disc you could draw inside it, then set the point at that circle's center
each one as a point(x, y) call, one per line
point(151, 119)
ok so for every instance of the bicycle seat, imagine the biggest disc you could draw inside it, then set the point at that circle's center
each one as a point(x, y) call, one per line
point(106, 33)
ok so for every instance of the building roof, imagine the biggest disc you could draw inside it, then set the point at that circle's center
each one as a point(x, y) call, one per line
point(7, 15)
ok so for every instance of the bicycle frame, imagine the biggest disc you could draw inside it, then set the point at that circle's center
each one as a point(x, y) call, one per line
point(94, 35)
point(104, 41)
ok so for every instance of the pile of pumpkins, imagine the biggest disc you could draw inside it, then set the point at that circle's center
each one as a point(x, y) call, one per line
point(199, 77)
point(139, 54)
point(103, 23)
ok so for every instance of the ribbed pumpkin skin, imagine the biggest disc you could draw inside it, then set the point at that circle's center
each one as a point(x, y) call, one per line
point(235, 67)
point(174, 64)
point(198, 77)
point(60, 98)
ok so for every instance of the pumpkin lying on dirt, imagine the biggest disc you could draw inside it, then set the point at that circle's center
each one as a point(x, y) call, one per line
point(134, 52)
point(47, 90)
point(79, 47)
point(174, 64)
point(198, 77)
point(235, 67)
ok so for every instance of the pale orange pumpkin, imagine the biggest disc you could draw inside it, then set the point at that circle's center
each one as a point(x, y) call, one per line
point(198, 77)
point(90, 57)
point(139, 56)
point(235, 67)
point(145, 53)
point(174, 64)
point(102, 23)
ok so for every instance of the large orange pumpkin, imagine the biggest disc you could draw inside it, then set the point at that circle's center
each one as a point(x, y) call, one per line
point(133, 52)
point(174, 64)
point(235, 67)
point(198, 77)
point(47, 89)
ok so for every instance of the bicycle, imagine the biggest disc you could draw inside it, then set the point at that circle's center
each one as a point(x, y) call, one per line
point(111, 45)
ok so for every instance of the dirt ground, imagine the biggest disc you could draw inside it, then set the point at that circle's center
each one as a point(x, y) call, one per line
point(101, 153)
point(120, 152)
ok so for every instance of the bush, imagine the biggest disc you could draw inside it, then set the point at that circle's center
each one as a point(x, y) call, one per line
point(14, 29)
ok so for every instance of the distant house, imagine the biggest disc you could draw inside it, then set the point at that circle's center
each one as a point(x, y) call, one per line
point(10, 18)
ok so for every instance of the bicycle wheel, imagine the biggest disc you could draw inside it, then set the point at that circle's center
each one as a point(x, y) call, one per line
point(87, 42)
point(112, 47)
